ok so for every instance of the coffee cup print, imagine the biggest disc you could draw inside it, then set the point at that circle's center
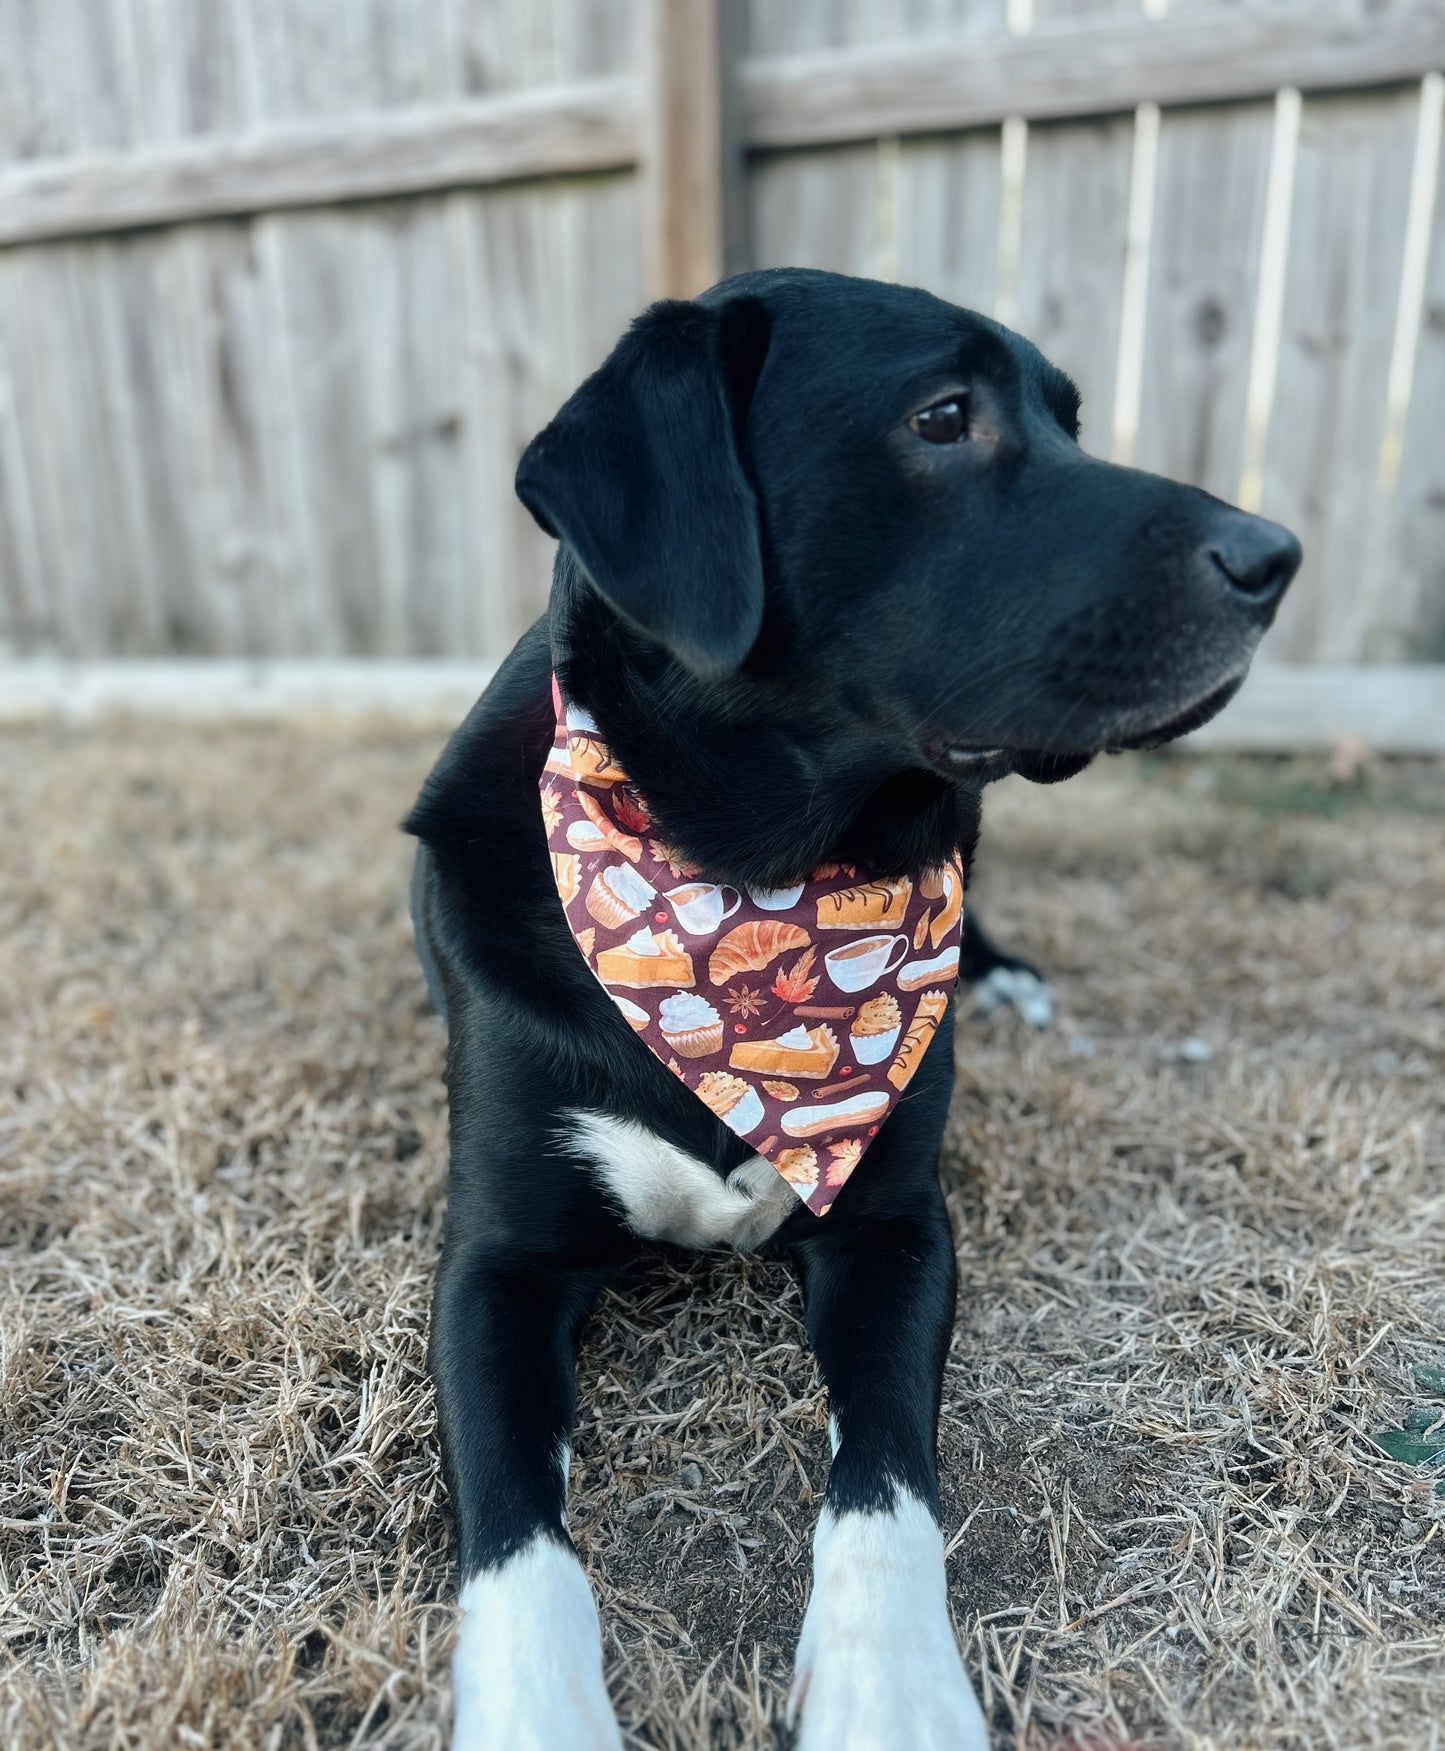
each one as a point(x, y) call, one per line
point(857, 965)
point(776, 899)
point(700, 906)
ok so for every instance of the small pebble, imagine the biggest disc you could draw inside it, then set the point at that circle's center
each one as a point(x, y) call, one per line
point(1195, 1051)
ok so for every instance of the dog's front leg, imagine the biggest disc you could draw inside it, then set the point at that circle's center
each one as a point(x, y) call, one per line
point(527, 1672)
point(878, 1668)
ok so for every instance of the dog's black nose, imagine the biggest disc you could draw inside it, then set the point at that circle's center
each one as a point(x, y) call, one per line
point(1256, 558)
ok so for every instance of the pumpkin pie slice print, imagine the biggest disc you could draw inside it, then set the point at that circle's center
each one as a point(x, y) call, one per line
point(647, 958)
point(806, 1053)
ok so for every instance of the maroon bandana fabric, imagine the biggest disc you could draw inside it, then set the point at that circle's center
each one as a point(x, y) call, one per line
point(797, 1015)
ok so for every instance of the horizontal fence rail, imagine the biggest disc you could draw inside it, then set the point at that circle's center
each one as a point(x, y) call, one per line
point(1087, 67)
point(1080, 67)
point(526, 135)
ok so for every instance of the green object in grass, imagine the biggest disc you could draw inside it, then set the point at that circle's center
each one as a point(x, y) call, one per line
point(1422, 1440)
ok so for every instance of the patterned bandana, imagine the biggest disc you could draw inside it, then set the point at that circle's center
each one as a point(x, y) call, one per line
point(797, 1015)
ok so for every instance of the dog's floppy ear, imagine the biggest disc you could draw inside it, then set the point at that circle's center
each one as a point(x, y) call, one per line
point(639, 474)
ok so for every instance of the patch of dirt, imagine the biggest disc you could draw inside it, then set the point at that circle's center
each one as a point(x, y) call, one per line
point(1201, 1232)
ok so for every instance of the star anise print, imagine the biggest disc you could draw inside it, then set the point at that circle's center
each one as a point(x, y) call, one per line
point(551, 813)
point(745, 1001)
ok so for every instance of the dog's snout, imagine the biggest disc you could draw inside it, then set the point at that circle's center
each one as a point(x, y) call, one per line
point(1256, 558)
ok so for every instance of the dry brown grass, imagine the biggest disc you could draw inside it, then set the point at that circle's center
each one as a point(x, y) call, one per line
point(1190, 1290)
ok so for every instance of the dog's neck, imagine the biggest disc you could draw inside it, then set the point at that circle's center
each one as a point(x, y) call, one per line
point(748, 781)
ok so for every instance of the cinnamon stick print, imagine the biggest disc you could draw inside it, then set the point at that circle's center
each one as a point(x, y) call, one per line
point(841, 1087)
point(815, 1012)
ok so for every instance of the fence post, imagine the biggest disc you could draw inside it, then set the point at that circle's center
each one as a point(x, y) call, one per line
point(683, 156)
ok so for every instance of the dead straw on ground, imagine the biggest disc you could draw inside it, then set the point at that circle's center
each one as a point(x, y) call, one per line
point(1192, 1285)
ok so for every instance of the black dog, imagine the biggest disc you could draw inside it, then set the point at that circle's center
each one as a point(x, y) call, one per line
point(831, 560)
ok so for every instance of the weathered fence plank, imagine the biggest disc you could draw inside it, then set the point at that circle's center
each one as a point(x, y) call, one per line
point(817, 210)
point(1328, 420)
point(1203, 285)
point(1412, 570)
point(813, 209)
point(682, 165)
point(548, 285)
point(947, 199)
point(1071, 266)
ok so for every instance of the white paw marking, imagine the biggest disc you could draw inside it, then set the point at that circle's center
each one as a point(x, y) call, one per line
point(527, 1671)
point(878, 1668)
point(1031, 997)
point(667, 1194)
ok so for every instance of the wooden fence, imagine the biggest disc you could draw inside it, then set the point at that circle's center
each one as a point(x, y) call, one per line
point(286, 285)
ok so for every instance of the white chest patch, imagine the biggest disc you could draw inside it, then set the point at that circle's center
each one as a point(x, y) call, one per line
point(878, 1668)
point(667, 1194)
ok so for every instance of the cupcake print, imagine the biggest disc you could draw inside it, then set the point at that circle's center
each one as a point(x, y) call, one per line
point(690, 1025)
point(799, 1167)
point(618, 895)
point(875, 1028)
point(734, 1101)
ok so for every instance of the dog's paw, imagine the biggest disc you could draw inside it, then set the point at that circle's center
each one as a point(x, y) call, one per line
point(852, 1698)
point(527, 1671)
point(877, 1667)
point(1030, 995)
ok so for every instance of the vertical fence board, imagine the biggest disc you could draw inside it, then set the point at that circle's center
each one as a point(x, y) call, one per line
point(549, 278)
point(1322, 460)
point(49, 381)
point(948, 216)
point(1071, 262)
point(816, 210)
point(1075, 227)
point(948, 187)
point(415, 474)
point(1414, 579)
point(509, 268)
point(1203, 283)
point(25, 615)
point(323, 296)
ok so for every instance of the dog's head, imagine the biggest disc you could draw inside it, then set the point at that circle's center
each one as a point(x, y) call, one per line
point(872, 503)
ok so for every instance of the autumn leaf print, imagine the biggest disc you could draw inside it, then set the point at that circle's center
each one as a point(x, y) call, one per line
point(673, 860)
point(795, 986)
point(628, 807)
point(846, 1156)
point(551, 813)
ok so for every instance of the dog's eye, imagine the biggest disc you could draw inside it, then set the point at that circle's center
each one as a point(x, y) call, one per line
point(943, 423)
